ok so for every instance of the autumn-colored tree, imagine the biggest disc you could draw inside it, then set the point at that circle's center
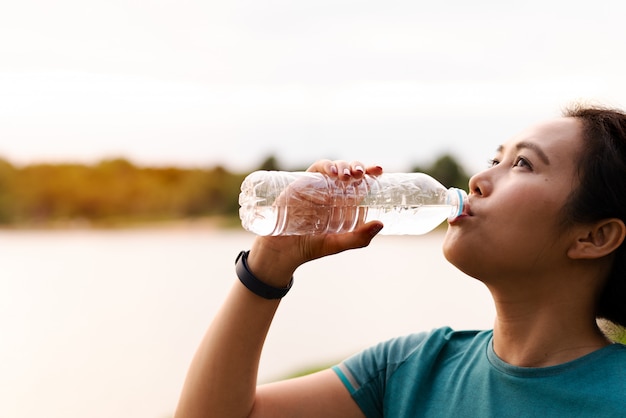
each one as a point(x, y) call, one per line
point(116, 190)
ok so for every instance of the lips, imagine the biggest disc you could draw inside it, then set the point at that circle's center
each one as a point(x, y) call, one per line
point(467, 212)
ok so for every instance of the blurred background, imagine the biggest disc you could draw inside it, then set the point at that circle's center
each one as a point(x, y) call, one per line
point(126, 128)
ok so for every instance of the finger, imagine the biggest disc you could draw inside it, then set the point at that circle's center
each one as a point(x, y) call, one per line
point(357, 169)
point(359, 238)
point(344, 169)
point(327, 167)
point(374, 170)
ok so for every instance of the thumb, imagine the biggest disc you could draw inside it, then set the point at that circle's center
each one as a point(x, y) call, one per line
point(360, 237)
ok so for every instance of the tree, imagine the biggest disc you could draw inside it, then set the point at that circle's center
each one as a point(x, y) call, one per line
point(7, 203)
point(270, 163)
point(447, 171)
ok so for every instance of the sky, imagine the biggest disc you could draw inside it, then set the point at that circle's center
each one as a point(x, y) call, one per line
point(201, 83)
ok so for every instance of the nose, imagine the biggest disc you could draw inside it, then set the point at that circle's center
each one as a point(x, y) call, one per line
point(480, 183)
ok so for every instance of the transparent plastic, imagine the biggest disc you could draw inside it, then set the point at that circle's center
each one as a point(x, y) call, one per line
point(302, 203)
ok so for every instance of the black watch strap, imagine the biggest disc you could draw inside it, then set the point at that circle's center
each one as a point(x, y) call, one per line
point(255, 285)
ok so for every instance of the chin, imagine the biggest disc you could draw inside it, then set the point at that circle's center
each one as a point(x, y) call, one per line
point(460, 255)
point(451, 244)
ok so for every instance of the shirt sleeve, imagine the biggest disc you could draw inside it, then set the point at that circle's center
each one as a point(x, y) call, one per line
point(365, 374)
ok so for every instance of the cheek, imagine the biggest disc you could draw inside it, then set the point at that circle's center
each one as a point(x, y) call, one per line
point(498, 244)
point(531, 210)
point(510, 228)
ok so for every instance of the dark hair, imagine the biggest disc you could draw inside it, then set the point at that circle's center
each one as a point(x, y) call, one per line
point(601, 192)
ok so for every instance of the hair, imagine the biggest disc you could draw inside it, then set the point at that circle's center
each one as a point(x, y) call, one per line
point(601, 192)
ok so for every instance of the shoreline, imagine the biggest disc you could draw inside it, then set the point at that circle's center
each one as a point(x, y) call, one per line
point(207, 223)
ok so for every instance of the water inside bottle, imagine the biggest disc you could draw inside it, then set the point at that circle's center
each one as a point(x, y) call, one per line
point(398, 220)
point(261, 220)
point(409, 220)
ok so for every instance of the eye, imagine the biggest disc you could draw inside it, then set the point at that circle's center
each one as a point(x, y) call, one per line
point(492, 162)
point(523, 163)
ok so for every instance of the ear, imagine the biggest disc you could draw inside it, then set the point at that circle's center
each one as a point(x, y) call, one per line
point(598, 239)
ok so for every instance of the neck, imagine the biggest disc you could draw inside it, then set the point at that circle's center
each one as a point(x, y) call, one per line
point(545, 332)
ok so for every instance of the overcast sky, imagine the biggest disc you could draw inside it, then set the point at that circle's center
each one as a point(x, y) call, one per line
point(199, 83)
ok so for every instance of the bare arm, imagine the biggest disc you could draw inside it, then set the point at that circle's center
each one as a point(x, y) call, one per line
point(222, 377)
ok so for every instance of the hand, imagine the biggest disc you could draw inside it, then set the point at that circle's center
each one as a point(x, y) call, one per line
point(274, 259)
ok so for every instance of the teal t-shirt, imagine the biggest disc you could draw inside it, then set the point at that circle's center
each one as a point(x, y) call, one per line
point(445, 373)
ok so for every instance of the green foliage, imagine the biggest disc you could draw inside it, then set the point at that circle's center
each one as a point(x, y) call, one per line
point(613, 331)
point(115, 190)
point(311, 369)
point(447, 171)
point(270, 163)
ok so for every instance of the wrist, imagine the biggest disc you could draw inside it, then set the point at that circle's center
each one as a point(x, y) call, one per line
point(256, 285)
point(273, 266)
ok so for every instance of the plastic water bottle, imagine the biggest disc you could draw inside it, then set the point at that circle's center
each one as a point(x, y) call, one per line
point(303, 203)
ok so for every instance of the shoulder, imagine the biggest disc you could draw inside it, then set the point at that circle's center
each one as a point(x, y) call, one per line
point(401, 361)
point(386, 357)
point(398, 349)
point(614, 356)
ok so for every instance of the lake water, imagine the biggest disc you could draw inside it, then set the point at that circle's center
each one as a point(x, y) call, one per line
point(104, 323)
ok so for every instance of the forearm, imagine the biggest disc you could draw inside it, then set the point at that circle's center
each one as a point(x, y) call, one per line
point(221, 381)
point(222, 376)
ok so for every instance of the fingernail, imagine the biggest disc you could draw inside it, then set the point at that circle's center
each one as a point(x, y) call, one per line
point(359, 169)
point(375, 230)
point(333, 169)
point(346, 171)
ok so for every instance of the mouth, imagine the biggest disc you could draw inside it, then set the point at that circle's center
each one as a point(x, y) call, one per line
point(467, 212)
point(467, 209)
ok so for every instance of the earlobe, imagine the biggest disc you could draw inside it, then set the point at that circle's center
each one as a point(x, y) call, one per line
point(599, 239)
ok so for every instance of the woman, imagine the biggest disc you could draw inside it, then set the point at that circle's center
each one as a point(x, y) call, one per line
point(544, 231)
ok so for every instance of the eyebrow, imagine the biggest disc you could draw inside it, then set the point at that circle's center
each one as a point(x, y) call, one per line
point(534, 147)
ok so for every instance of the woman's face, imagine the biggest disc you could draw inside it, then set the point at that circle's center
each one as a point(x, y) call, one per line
point(512, 226)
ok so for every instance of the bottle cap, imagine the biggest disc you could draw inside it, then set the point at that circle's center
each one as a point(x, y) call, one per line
point(456, 198)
